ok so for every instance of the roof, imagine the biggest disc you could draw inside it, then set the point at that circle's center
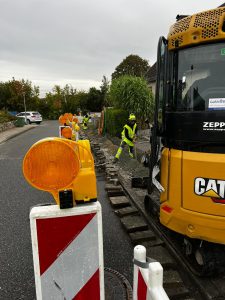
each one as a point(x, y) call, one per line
point(151, 74)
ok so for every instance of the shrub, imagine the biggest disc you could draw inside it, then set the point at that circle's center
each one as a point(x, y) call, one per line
point(5, 117)
point(133, 94)
point(114, 121)
point(20, 122)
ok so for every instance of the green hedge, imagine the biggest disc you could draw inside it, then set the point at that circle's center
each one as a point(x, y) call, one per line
point(114, 121)
point(5, 117)
point(20, 122)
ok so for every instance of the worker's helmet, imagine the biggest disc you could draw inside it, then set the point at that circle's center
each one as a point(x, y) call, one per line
point(132, 117)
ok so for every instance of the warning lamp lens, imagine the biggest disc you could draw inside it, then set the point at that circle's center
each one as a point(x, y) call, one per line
point(51, 165)
point(67, 132)
point(167, 208)
point(70, 117)
point(218, 200)
point(62, 120)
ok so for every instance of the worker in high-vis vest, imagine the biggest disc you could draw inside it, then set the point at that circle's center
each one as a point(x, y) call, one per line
point(85, 121)
point(128, 137)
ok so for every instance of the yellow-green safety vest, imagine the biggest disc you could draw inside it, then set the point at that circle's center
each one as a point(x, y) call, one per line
point(131, 133)
point(85, 119)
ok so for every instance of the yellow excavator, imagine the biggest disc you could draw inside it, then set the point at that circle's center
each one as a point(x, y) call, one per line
point(187, 161)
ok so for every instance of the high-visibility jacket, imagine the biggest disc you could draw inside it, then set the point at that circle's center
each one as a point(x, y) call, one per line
point(131, 133)
point(85, 120)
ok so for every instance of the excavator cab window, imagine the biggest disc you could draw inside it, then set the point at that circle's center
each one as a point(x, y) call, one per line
point(161, 84)
point(200, 79)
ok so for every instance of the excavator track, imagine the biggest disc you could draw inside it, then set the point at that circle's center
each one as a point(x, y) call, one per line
point(210, 259)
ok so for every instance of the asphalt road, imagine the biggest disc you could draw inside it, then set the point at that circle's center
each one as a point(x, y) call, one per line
point(16, 199)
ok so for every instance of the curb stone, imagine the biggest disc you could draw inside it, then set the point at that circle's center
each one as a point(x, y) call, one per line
point(7, 134)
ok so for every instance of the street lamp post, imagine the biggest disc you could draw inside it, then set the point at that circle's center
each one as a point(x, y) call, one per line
point(25, 109)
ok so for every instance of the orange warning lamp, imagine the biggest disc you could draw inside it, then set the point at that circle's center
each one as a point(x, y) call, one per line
point(66, 132)
point(70, 117)
point(64, 168)
point(61, 120)
point(66, 118)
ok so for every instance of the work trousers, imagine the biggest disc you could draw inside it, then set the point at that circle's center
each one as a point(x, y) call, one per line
point(84, 125)
point(122, 146)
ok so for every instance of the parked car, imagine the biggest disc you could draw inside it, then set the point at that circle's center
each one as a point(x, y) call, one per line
point(31, 116)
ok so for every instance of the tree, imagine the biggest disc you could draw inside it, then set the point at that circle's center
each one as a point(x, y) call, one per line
point(43, 107)
point(133, 95)
point(69, 103)
point(104, 88)
point(12, 95)
point(82, 100)
point(132, 65)
point(94, 100)
point(5, 94)
point(60, 101)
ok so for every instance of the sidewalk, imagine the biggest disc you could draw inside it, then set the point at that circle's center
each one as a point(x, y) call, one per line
point(12, 132)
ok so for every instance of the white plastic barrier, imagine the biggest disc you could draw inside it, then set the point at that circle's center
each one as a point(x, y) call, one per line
point(148, 277)
point(77, 136)
point(68, 252)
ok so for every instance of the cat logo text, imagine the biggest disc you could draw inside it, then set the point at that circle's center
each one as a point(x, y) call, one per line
point(209, 187)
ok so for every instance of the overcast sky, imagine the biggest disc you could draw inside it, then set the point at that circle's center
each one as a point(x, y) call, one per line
point(78, 41)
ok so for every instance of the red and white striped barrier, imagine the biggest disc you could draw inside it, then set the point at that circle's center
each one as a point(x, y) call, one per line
point(68, 252)
point(148, 277)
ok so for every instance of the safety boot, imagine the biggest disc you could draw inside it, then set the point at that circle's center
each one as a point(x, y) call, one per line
point(115, 160)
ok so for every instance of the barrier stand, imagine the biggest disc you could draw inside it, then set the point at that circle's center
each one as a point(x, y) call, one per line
point(66, 238)
point(148, 277)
